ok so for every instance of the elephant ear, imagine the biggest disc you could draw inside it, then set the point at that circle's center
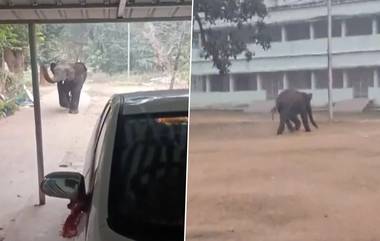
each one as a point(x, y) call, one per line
point(52, 66)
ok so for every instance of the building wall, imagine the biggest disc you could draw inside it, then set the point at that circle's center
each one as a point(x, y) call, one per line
point(203, 99)
point(298, 54)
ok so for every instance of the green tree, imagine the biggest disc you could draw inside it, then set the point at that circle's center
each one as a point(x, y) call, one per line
point(50, 44)
point(222, 46)
point(13, 46)
point(106, 53)
point(171, 44)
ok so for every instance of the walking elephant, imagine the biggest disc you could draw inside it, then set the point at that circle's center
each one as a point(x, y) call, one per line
point(291, 103)
point(70, 78)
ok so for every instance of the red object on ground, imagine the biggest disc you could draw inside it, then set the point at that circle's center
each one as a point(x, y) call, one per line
point(70, 228)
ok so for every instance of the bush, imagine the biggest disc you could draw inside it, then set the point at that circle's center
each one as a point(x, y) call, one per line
point(11, 92)
point(8, 108)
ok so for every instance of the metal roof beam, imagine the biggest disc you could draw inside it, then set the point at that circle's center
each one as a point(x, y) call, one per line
point(129, 3)
point(82, 2)
point(121, 8)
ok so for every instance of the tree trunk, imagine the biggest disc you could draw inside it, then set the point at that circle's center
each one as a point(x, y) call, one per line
point(20, 60)
point(9, 59)
point(161, 58)
point(15, 60)
point(2, 62)
point(176, 61)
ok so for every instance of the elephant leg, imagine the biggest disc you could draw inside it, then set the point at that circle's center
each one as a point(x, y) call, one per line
point(305, 122)
point(296, 122)
point(63, 94)
point(289, 125)
point(75, 96)
point(281, 126)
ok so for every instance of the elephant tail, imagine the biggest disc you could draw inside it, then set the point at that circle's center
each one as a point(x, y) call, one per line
point(46, 74)
point(273, 111)
point(312, 119)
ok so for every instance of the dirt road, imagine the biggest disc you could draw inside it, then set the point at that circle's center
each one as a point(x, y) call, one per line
point(65, 139)
point(246, 183)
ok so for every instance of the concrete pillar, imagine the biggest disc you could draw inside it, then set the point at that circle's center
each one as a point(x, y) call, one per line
point(259, 82)
point(285, 81)
point(345, 79)
point(232, 83)
point(311, 30)
point(313, 80)
point(208, 83)
point(344, 28)
point(374, 26)
point(376, 78)
point(283, 34)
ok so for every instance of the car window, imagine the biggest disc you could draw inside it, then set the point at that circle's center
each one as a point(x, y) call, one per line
point(148, 177)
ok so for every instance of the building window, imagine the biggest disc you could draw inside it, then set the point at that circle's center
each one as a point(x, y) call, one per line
point(217, 35)
point(198, 83)
point(196, 37)
point(299, 79)
point(336, 30)
point(272, 81)
point(359, 26)
point(338, 79)
point(219, 83)
point(297, 31)
point(320, 29)
point(322, 79)
point(360, 77)
point(245, 82)
point(244, 34)
point(274, 31)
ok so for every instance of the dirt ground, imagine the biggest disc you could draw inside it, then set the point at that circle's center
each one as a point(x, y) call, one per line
point(246, 183)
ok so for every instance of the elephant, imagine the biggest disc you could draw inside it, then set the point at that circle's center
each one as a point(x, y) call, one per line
point(291, 103)
point(69, 78)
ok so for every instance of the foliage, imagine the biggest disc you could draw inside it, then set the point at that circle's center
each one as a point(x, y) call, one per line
point(104, 46)
point(110, 55)
point(12, 92)
point(50, 49)
point(222, 46)
point(13, 36)
point(171, 45)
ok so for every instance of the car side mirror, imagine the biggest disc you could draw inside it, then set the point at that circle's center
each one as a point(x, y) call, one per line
point(67, 185)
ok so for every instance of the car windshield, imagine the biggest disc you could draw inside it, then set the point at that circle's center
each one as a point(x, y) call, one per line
point(148, 177)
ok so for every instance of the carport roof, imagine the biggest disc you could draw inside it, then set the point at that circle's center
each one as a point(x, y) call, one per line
point(69, 11)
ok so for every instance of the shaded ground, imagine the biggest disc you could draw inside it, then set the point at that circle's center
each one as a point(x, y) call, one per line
point(65, 139)
point(246, 183)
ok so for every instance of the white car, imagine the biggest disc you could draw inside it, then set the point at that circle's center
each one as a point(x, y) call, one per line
point(134, 182)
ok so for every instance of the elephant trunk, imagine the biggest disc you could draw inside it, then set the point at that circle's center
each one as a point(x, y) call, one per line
point(311, 118)
point(46, 75)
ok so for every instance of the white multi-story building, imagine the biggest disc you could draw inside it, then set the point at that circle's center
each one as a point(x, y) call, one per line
point(298, 56)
